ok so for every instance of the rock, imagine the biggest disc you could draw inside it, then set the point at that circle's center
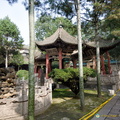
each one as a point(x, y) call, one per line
point(2, 74)
point(5, 90)
point(7, 82)
point(3, 78)
point(10, 80)
point(10, 69)
point(7, 95)
point(10, 75)
point(11, 90)
point(4, 84)
point(4, 70)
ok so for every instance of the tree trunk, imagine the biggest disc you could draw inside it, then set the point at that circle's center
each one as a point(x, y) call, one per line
point(81, 82)
point(31, 95)
point(97, 52)
point(98, 69)
point(6, 58)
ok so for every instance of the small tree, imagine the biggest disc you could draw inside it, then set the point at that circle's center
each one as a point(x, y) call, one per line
point(70, 77)
point(22, 73)
point(46, 25)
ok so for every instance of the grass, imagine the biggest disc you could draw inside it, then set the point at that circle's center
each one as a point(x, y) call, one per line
point(65, 105)
point(60, 93)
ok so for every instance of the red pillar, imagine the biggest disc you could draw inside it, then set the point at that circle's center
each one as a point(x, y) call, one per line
point(50, 65)
point(94, 62)
point(74, 63)
point(39, 71)
point(60, 58)
point(47, 66)
point(103, 65)
point(35, 68)
point(109, 66)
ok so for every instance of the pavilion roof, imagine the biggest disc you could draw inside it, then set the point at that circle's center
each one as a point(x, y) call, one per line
point(89, 49)
point(103, 43)
point(58, 38)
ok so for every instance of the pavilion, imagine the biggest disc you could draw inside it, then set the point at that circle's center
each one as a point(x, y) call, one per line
point(58, 46)
point(62, 45)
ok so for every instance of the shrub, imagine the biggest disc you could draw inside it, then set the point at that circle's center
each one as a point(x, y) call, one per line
point(22, 73)
point(70, 77)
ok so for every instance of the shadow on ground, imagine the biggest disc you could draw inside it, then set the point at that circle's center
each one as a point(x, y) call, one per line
point(62, 109)
point(67, 107)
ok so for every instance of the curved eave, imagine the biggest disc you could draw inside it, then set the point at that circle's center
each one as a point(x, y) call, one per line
point(103, 44)
point(90, 49)
point(60, 34)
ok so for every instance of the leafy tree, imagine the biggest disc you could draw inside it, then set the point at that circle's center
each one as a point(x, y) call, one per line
point(104, 13)
point(17, 59)
point(46, 26)
point(31, 95)
point(70, 77)
point(10, 39)
point(12, 1)
point(115, 53)
point(53, 7)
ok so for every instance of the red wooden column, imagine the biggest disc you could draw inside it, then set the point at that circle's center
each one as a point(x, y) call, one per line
point(103, 64)
point(35, 68)
point(60, 58)
point(50, 65)
point(109, 66)
point(94, 62)
point(74, 63)
point(39, 71)
point(47, 65)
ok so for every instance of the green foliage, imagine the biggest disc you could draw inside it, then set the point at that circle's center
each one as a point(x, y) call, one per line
point(22, 73)
point(61, 93)
point(105, 14)
point(88, 72)
point(115, 53)
point(53, 7)
point(46, 25)
point(10, 39)
point(70, 77)
point(9, 34)
point(12, 1)
point(17, 59)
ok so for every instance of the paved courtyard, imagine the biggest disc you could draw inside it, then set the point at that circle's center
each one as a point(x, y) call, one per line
point(111, 111)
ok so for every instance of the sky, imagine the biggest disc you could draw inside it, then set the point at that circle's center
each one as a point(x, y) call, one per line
point(17, 15)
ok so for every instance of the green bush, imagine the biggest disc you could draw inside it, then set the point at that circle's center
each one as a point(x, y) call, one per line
point(22, 73)
point(70, 77)
point(88, 72)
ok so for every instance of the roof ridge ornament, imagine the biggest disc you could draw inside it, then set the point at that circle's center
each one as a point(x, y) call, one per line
point(60, 25)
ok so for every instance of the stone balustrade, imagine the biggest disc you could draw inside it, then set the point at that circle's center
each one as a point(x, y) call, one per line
point(108, 81)
point(16, 108)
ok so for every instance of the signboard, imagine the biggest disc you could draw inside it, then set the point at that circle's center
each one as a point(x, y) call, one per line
point(52, 51)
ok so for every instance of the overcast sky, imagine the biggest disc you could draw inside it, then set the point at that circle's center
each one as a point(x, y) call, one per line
point(17, 15)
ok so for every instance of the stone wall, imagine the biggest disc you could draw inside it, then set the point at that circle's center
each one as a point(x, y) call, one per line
point(15, 108)
point(108, 81)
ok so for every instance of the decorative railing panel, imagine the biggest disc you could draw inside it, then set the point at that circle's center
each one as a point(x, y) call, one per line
point(16, 107)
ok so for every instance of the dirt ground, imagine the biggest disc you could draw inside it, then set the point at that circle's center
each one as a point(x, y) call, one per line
point(68, 108)
point(62, 109)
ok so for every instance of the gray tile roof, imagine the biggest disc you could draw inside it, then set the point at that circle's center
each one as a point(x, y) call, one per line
point(104, 43)
point(60, 34)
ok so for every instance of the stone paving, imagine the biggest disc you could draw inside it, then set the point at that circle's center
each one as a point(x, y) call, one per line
point(111, 111)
